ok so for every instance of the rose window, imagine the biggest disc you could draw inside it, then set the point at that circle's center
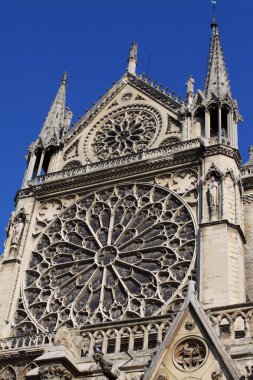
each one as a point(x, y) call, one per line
point(127, 132)
point(119, 253)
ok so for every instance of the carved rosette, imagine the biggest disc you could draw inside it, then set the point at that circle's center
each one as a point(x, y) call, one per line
point(122, 252)
point(125, 131)
point(190, 354)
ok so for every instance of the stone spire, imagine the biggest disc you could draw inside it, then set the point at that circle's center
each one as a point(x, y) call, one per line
point(217, 81)
point(132, 60)
point(55, 123)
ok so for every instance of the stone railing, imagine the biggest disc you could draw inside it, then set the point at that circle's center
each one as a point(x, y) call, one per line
point(233, 324)
point(247, 171)
point(157, 153)
point(230, 325)
point(28, 341)
point(110, 340)
point(137, 338)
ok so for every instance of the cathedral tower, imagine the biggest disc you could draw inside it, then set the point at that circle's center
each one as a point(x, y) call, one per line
point(129, 253)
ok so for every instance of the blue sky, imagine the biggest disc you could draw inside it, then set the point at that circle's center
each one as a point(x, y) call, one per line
point(40, 39)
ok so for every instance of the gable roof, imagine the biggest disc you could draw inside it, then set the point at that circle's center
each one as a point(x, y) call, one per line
point(200, 318)
point(141, 83)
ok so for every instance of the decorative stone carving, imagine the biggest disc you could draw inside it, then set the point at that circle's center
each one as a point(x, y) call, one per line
point(72, 165)
point(174, 126)
point(114, 104)
point(213, 196)
point(162, 377)
point(122, 252)
point(190, 354)
point(183, 182)
point(189, 325)
point(49, 210)
point(74, 343)
point(105, 364)
point(17, 231)
point(139, 97)
point(38, 228)
point(54, 373)
point(213, 192)
point(127, 96)
point(72, 151)
point(68, 199)
point(125, 133)
point(170, 141)
point(216, 375)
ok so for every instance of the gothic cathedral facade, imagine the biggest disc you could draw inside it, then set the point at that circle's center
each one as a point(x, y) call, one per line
point(129, 254)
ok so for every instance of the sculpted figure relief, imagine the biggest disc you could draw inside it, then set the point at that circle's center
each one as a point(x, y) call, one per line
point(213, 197)
point(105, 364)
point(74, 343)
point(17, 231)
point(213, 192)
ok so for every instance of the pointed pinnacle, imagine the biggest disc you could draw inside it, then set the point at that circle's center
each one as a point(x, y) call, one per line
point(65, 77)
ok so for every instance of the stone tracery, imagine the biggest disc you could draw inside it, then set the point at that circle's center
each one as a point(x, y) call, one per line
point(120, 253)
point(126, 133)
point(127, 130)
point(190, 354)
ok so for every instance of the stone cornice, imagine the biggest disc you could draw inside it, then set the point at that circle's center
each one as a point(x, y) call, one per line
point(229, 224)
point(223, 149)
point(154, 93)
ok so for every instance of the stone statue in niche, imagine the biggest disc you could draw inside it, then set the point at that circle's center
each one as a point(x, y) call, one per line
point(213, 197)
point(17, 231)
point(16, 234)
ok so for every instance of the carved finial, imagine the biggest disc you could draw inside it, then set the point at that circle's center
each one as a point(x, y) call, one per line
point(214, 23)
point(65, 77)
point(190, 90)
point(190, 85)
point(132, 60)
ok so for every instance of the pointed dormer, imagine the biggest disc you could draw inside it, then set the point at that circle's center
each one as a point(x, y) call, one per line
point(216, 115)
point(42, 153)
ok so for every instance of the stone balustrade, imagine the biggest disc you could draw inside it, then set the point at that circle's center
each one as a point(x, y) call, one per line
point(112, 340)
point(228, 324)
point(247, 171)
point(156, 153)
point(233, 324)
point(27, 341)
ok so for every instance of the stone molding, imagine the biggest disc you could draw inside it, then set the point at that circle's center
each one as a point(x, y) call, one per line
point(229, 224)
point(222, 149)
